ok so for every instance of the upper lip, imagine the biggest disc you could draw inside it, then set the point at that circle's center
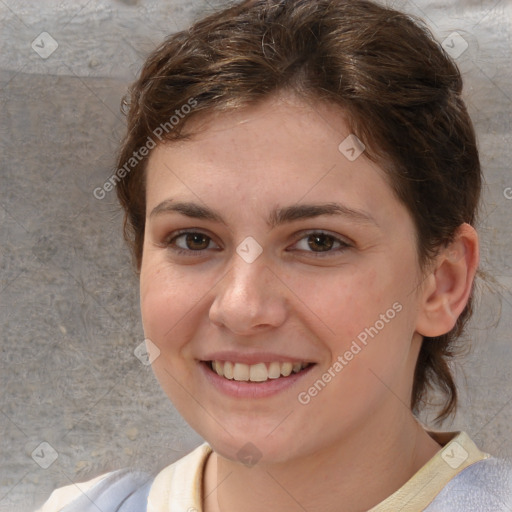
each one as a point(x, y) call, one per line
point(253, 358)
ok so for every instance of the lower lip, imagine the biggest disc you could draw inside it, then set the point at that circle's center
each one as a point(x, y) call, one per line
point(247, 389)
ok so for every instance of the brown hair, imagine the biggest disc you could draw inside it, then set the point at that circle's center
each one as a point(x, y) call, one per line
point(400, 90)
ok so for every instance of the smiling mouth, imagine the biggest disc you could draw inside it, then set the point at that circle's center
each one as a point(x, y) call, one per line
point(260, 372)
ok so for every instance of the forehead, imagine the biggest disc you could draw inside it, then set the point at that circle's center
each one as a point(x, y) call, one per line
point(283, 150)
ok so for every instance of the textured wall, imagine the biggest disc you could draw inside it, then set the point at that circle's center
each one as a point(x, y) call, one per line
point(69, 314)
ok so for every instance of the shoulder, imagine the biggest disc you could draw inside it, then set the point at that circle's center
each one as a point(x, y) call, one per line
point(115, 491)
point(62, 496)
point(179, 486)
point(485, 486)
point(129, 490)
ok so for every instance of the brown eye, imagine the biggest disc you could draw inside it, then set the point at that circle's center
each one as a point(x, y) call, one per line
point(191, 242)
point(196, 241)
point(320, 242)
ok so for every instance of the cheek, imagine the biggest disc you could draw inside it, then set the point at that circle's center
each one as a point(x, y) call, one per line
point(365, 306)
point(166, 300)
point(349, 301)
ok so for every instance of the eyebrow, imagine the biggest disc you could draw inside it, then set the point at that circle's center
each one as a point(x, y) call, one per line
point(277, 217)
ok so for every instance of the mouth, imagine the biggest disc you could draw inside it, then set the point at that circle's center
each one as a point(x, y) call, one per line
point(259, 372)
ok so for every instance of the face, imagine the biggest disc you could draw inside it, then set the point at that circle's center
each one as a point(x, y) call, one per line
point(268, 251)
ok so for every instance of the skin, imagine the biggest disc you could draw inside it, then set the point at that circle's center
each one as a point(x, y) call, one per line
point(357, 441)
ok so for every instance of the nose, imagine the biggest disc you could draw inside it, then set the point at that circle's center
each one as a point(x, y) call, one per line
point(249, 299)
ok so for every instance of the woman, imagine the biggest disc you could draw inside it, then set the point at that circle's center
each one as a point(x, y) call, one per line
point(300, 181)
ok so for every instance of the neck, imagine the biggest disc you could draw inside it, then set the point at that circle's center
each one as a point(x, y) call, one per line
point(360, 472)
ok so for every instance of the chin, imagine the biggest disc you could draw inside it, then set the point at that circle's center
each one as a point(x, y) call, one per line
point(250, 449)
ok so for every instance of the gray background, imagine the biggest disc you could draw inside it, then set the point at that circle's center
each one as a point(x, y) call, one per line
point(69, 318)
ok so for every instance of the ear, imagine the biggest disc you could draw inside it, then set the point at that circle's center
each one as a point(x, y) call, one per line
point(445, 292)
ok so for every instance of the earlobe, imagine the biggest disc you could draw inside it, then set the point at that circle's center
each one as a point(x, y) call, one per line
point(448, 288)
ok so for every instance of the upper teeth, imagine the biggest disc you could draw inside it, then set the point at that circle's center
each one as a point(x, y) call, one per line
point(259, 372)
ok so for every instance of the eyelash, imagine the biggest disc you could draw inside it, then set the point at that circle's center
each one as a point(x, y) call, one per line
point(189, 252)
point(317, 254)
